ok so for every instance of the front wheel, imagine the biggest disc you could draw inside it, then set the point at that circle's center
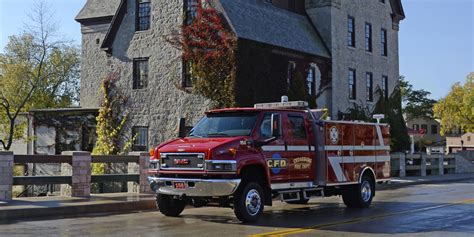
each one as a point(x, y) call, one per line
point(248, 202)
point(359, 195)
point(169, 206)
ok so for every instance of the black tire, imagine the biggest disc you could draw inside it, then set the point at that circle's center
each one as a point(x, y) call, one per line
point(359, 195)
point(169, 206)
point(252, 211)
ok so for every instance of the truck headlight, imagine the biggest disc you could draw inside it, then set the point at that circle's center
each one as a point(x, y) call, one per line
point(221, 165)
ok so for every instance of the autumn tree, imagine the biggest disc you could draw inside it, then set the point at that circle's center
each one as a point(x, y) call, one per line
point(37, 70)
point(208, 48)
point(456, 110)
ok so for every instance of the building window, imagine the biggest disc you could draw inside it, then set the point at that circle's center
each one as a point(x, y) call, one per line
point(311, 80)
point(383, 42)
point(140, 134)
point(190, 7)
point(140, 73)
point(351, 32)
point(368, 37)
point(424, 127)
point(143, 15)
point(416, 127)
point(434, 129)
point(352, 84)
point(290, 73)
point(369, 87)
point(385, 87)
point(468, 138)
point(188, 78)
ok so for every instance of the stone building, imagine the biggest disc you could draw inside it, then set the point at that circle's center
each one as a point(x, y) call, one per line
point(351, 45)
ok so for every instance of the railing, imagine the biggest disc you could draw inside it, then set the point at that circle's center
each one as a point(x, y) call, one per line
point(75, 172)
point(423, 164)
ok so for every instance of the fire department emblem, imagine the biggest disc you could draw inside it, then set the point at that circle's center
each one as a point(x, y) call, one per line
point(333, 135)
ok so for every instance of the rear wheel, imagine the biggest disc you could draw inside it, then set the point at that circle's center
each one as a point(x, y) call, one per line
point(169, 206)
point(359, 195)
point(249, 202)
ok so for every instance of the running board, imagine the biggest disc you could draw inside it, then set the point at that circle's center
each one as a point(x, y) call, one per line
point(296, 195)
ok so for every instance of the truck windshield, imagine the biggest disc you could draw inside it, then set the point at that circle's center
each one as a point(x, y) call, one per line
point(225, 125)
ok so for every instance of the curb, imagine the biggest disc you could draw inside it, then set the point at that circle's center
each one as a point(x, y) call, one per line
point(119, 207)
point(391, 186)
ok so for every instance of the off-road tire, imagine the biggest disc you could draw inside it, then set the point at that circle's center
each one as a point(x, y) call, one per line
point(249, 191)
point(358, 195)
point(169, 206)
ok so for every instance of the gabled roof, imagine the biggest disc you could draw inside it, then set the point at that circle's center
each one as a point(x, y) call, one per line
point(265, 23)
point(94, 9)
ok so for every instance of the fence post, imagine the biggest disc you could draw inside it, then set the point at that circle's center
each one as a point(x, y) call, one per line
point(423, 164)
point(441, 164)
point(142, 169)
point(403, 165)
point(6, 175)
point(81, 173)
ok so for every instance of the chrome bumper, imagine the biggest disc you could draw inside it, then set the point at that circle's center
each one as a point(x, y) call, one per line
point(194, 187)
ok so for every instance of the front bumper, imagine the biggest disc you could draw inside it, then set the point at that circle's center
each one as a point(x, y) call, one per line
point(194, 187)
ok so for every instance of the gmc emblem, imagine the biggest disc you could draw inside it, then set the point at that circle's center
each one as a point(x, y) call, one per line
point(181, 161)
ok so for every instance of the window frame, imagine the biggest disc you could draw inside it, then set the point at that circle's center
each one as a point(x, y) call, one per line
point(311, 85)
point(383, 42)
point(138, 76)
point(434, 131)
point(138, 17)
point(291, 136)
point(135, 132)
point(351, 40)
point(385, 87)
point(369, 86)
point(352, 82)
point(368, 37)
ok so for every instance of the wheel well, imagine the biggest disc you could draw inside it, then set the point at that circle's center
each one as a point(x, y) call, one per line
point(369, 172)
point(257, 173)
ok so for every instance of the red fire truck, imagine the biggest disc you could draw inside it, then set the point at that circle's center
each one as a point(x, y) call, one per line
point(244, 158)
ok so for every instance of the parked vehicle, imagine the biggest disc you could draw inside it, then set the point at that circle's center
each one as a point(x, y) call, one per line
point(244, 158)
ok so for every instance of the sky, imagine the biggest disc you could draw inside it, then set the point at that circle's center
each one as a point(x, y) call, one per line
point(436, 39)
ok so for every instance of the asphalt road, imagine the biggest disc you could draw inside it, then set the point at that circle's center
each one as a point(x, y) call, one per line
point(445, 209)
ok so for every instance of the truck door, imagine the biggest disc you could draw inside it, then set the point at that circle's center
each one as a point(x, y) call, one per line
point(274, 152)
point(298, 147)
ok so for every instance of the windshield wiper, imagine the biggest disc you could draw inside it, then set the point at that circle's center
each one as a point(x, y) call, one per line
point(218, 134)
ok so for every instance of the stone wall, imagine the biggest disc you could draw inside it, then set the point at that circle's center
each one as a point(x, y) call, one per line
point(162, 103)
point(330, 18)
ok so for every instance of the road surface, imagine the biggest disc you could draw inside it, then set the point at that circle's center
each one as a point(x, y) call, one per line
point(445, 209)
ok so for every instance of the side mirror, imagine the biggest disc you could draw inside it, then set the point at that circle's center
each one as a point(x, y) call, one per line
point(182, 128)
point(276, 125)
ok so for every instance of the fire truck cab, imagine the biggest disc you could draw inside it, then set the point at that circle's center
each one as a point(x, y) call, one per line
point(244, 158)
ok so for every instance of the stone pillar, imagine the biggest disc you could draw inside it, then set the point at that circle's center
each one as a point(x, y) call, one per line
point(133, 168)
point(423, 164)
point(403, 165)
point(441, 164)
point(6, 175)
point(142, 170)
point(81, 173)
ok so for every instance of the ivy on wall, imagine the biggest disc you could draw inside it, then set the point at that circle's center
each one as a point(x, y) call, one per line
point(208, 48)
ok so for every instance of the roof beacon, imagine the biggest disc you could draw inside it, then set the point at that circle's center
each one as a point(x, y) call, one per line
point(284, 104)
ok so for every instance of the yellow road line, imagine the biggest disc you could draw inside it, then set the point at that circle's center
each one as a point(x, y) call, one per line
point(351, 221)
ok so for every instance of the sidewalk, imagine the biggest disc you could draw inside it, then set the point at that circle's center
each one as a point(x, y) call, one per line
point(397, 182)
point(21, 208)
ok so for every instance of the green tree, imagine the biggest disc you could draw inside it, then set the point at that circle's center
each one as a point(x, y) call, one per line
point(111, 123)
point(456, 110)
point(36, 71)
point(416, 102)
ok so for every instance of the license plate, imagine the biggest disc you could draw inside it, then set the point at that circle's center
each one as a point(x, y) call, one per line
point(179, 185)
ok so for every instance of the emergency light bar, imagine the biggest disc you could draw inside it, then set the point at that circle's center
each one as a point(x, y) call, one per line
point(283, 105)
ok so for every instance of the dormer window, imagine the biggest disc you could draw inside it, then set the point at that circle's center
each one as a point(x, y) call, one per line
point(190, 8)
point(143, 15)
